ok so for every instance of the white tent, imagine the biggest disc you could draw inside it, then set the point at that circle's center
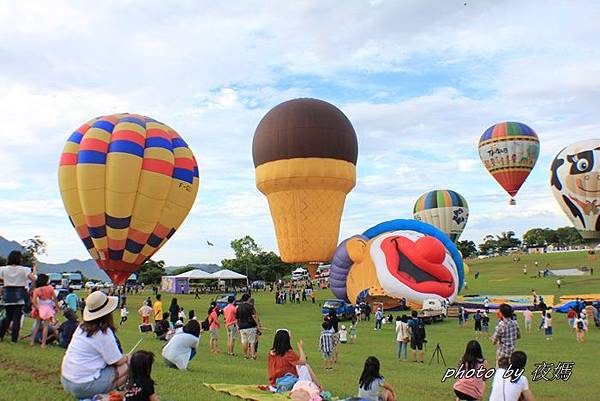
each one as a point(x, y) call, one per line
point(299, 271)
point(195, 274)
point(227, 274)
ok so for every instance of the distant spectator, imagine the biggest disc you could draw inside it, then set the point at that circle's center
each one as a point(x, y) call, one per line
point(67, 328)
point(72, 300)
point(157, 308)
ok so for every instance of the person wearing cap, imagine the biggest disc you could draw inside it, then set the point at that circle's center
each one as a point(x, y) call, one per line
point(94, 362)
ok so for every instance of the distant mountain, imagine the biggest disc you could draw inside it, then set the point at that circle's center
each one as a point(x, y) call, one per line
point(209, 268)
point(7, 246)
point(89, 268)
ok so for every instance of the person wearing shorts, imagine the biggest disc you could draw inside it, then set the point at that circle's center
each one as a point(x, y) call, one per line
point(477, 318)
point(229, 313)
point(248, 324)
point(214, 326)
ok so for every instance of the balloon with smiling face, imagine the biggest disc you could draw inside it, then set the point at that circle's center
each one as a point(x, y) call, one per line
point(575, 184)
point(394, 260)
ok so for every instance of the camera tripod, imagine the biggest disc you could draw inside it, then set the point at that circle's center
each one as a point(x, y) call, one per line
point(438, 353)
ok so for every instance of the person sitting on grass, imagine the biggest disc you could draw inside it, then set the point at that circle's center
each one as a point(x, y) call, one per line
point(67, 328)
point(162, 327)
point(513, 387)
point(472, 388)
point(140, 386)
point(181, 348)
point(371, 385)
point(94, 362)
point(283, 361)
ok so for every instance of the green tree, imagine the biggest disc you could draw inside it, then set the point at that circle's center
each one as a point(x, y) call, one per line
point(2, 261)
point(567, 236)
point(33, 247)
point(467, 248)
point(507, 240)
point(534, 237)
point(488, 246)
point(257, 264)
point(151, 272)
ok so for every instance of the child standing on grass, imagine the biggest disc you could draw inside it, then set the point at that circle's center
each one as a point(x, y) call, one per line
point(528, 316)
point(145, 312)
point(45, 302)
point(343, 335)
point(371, 385)
point(548, 326)
point(326, 345)
point(581, 327)
point(214, 326)
point(353, 331)
point(124, 313)
point(140, 386)
point(485, 323)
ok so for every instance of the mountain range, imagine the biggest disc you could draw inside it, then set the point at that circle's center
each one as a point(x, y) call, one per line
point(88, 267)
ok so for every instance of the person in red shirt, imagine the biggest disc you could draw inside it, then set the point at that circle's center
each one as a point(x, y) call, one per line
point(45, 302)
point(229, 313)
point(571, 315)
point(283, 360)
point(214, 326)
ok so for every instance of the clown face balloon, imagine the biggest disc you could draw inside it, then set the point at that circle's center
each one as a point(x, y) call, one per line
point(394, 260)
point(575, 183)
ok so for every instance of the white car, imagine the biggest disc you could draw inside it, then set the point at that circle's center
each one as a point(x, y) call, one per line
point(90, 284)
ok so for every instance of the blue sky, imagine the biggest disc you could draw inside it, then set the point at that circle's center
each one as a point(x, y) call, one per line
point(420, 81)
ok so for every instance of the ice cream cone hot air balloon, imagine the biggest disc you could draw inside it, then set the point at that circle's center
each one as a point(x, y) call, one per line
point(509, 152)
point(305, 153)
point(575, 184)
point(444, 209)
point(127, 182)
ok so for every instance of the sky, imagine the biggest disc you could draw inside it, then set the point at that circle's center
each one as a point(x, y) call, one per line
point(419, 80)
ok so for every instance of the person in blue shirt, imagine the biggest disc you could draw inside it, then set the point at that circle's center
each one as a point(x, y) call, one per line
point(72, 300)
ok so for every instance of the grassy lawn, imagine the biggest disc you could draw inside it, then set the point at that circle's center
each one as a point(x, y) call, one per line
point(33, 374)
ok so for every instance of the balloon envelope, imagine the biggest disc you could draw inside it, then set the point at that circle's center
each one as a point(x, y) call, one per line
point(444, 209)
point(575, 184)
point(509, 151)
point(127, 182)
point(305, 153)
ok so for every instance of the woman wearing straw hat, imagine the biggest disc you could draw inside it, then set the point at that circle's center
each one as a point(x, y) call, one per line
point(94, 362)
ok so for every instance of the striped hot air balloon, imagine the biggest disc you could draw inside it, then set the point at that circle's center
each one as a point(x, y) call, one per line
point(444, 209)
point(127, 182)
point(509, 151)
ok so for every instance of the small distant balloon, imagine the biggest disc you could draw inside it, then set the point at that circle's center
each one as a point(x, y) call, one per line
point(509, 151)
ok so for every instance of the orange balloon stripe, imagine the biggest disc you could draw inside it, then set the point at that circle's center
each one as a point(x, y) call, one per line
point(128, 135)
point(158, 166)
point(95, 220)
point(93, 144)
point(68, 159)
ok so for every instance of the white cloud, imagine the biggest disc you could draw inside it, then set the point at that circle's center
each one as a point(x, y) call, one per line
point(420, 80)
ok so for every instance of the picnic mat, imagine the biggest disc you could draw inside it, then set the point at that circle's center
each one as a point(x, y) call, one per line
point(246, 392)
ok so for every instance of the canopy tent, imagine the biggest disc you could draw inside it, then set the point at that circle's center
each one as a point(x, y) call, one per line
point(227, 274)
point(299, 271)
point(196, 274)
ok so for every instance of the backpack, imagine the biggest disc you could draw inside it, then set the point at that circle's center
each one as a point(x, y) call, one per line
point(580, 325)
point(419, 330)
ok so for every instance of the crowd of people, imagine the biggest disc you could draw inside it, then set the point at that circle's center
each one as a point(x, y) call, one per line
point(95, 362)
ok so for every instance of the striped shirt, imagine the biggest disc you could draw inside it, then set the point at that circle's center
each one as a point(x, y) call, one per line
point(326, 342)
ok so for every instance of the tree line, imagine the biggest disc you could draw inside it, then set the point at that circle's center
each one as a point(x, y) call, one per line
point(536, 237)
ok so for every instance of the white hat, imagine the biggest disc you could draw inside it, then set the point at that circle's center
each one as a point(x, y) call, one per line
point(178, 323)
point(98, 304)
point(343, 327)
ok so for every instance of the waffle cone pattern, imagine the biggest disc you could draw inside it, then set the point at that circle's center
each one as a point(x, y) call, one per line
point(306, 197)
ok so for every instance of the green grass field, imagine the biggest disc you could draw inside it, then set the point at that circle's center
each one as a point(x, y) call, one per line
point(33, 374)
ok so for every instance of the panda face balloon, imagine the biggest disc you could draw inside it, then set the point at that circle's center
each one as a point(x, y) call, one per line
point(575, 183)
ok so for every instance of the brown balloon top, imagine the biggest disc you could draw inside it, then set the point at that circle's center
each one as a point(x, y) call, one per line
point(304, 128)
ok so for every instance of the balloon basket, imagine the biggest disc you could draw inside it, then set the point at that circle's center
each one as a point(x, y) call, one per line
point(512, 202)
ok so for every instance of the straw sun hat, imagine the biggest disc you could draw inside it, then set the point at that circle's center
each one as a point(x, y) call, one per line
point(98, 304)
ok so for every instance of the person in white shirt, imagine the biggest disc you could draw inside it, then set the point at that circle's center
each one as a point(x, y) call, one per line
point(343, 335)
point(512, 388)
point(402, 337)
point(94, 362)
point(181, 348)
point(16, 278)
